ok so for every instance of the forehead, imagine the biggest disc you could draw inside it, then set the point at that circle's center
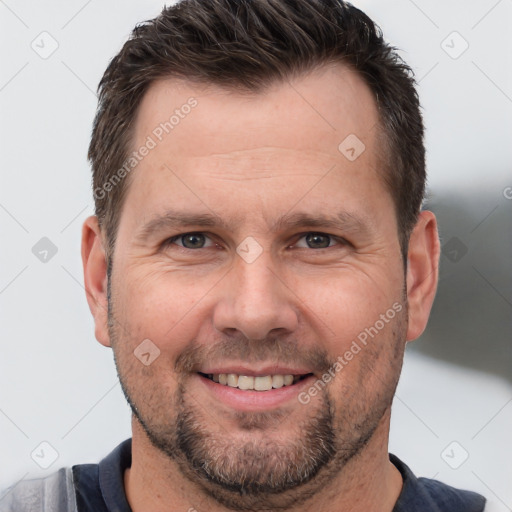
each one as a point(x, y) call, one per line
point(318, 110)
point(218, 146)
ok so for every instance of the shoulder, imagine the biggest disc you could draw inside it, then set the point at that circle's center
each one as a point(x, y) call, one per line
point(82, 486)
point(54, 493)
point(450, 498)
point(427, 495)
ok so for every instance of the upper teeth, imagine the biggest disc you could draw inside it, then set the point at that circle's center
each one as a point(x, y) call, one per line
point(257, 383)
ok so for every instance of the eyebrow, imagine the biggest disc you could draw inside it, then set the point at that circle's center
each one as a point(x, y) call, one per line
point(174, 219)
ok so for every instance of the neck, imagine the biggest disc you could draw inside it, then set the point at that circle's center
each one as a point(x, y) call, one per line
point(369, 482)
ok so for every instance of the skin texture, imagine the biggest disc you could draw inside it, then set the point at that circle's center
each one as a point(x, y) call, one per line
point(249, 160)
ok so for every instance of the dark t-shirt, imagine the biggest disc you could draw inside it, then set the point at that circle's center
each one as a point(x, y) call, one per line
point(100, 488)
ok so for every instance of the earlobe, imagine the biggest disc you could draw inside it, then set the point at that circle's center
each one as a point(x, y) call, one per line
point(422, 272)
point(95, 277)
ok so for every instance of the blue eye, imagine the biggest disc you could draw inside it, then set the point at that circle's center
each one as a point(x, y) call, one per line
point(198, 240)
point(190, 241)
point(316, 241)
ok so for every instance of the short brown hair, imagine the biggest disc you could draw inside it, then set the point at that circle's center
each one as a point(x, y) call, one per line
point(248, 45)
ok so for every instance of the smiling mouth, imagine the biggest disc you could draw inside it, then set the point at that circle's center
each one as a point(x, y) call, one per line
point(250, 383)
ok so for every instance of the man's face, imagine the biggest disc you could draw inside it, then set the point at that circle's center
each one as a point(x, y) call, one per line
point(300, 257)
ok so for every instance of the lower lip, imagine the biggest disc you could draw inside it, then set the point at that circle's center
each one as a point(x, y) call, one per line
point(256, 401)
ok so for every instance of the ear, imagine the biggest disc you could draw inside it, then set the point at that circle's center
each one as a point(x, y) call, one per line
point(95, 277)
point(422, 272)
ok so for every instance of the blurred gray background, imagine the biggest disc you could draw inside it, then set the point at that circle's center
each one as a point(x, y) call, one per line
point(60, 403)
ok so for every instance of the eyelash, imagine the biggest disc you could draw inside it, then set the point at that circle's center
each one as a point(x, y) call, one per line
point(339, 240)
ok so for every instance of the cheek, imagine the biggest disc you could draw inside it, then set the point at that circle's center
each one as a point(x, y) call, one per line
point(160, 305)
point(343, 307)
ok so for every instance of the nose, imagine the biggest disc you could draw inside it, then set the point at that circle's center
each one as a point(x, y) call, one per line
point(255, 301)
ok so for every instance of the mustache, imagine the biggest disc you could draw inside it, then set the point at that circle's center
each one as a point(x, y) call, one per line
point(277, 350)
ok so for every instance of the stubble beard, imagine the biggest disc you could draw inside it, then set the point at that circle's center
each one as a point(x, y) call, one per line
point(257, 472)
